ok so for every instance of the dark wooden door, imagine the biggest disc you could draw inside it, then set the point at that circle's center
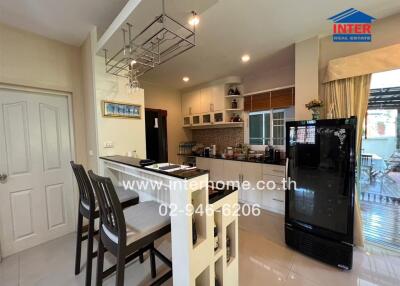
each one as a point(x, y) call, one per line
point(156, 135)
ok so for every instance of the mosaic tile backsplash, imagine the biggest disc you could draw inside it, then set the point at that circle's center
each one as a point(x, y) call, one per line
point(222, 137)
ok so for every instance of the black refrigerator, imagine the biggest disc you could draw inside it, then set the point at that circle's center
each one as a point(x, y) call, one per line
point(319, 205)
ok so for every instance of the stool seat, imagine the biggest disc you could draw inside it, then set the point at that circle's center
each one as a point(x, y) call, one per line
point(126, 196)
point(141, 221)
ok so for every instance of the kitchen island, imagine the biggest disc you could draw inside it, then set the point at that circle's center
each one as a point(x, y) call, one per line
point(194, 262)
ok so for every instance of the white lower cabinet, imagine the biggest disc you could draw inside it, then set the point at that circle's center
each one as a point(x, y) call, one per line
point(251, 175)
point(216, 169)
point(271, 197)
point(203, 163)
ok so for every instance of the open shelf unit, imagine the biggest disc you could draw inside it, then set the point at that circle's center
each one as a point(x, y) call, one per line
point(219, 271)
point(211, 106)
point(204, 278)
point(199, 201)
point(209, 264)
point(231, 234)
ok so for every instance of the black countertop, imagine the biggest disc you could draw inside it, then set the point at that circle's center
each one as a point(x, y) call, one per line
point(135, 162)
point(281, 163)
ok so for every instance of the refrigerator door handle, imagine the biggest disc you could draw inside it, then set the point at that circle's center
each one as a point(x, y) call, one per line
point(287, 169)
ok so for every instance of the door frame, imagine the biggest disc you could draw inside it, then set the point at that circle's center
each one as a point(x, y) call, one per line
point(68, 95)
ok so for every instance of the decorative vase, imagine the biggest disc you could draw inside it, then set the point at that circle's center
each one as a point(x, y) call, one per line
point(315, 113)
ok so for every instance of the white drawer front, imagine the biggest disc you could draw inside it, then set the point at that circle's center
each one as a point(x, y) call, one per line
point(274, 201)
point(274, 170)
point(276, 179)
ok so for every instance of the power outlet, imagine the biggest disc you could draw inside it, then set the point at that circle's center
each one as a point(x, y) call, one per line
point(108, 144)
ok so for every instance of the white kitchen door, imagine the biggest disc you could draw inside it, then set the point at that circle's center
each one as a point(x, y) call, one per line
point(36, 195)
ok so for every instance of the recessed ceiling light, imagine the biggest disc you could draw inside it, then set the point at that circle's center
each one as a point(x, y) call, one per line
point(185, 79)
point(133, 62)
point(245, 58)
point(194, 19)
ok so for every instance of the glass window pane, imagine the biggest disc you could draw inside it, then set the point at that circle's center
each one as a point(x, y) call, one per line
point(254, 141)
point(279, 128)
point(267, 128)
point(278, 115)
point(256, 129)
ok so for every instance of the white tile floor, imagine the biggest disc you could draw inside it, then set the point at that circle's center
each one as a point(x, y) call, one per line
point(264, 260)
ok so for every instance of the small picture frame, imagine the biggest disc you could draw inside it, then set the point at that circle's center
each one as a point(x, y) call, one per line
point(121, 110)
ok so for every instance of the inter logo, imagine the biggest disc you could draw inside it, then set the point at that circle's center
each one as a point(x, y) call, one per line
point(352, 26)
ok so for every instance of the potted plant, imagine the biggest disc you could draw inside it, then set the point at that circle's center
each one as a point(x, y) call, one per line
point(315, 106)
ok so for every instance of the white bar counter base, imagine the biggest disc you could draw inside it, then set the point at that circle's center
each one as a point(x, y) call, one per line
point(199, 264)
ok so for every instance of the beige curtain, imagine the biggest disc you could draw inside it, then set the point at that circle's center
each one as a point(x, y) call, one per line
point(344, 98)
point(373, 61)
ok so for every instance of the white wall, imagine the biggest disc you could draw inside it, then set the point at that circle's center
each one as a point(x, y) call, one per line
point(30, 60)
point(89, 94)
point(306, 75)
point(125, 134)
point(159, 97)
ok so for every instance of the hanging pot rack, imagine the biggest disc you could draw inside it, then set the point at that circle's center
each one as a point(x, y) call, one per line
point(160, 41)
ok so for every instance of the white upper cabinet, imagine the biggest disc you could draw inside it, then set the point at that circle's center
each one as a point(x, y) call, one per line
point(206, 100)
point(195, 101)
point(217, 97)
point(186, 104)
point(191, 102)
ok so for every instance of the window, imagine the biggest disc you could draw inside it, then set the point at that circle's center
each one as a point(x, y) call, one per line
point(381, 123)
point(267, 127)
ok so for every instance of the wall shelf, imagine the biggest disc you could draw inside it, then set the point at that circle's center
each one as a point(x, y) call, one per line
point(216, 125)
point(234, 96)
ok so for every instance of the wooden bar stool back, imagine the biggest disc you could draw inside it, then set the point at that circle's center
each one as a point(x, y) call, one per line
point(125, 232)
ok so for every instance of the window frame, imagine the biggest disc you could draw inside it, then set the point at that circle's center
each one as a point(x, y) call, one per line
point(271, 137)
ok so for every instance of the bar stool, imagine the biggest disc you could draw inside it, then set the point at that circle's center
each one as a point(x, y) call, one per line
point(125, 232)
point(88, 208)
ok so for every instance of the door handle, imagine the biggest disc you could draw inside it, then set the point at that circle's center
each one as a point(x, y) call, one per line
point(3, 178)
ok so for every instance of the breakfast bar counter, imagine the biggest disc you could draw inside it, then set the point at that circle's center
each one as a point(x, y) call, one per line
point(184, 193)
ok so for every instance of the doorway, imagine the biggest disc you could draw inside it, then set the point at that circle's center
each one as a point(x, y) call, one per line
point(36, 194)
point(156, 135)
point(380, 162)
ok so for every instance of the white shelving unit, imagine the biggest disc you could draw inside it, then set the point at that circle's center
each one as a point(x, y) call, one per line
point(196, 264)
point(211, 106)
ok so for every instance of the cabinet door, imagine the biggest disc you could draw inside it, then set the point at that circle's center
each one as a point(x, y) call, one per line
point(232, 173)
point(206, 100)
point(203, 163)
point(252, 173)
point(232, 170)
point(195, 102)
point(186, 104)
point(216, 170)
point(218, 97)
point(273, 199)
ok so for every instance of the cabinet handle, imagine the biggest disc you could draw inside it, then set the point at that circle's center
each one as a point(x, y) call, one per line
point(190, 110)
point(211, 107)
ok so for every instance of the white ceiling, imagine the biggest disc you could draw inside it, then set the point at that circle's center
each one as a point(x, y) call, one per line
point(261, 28)
point(68, 21)
point(265, 29)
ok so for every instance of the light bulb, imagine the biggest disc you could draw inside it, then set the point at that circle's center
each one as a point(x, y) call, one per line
point(185, 79)
point(194, 20)
point(133, 62)
point(245, 58)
